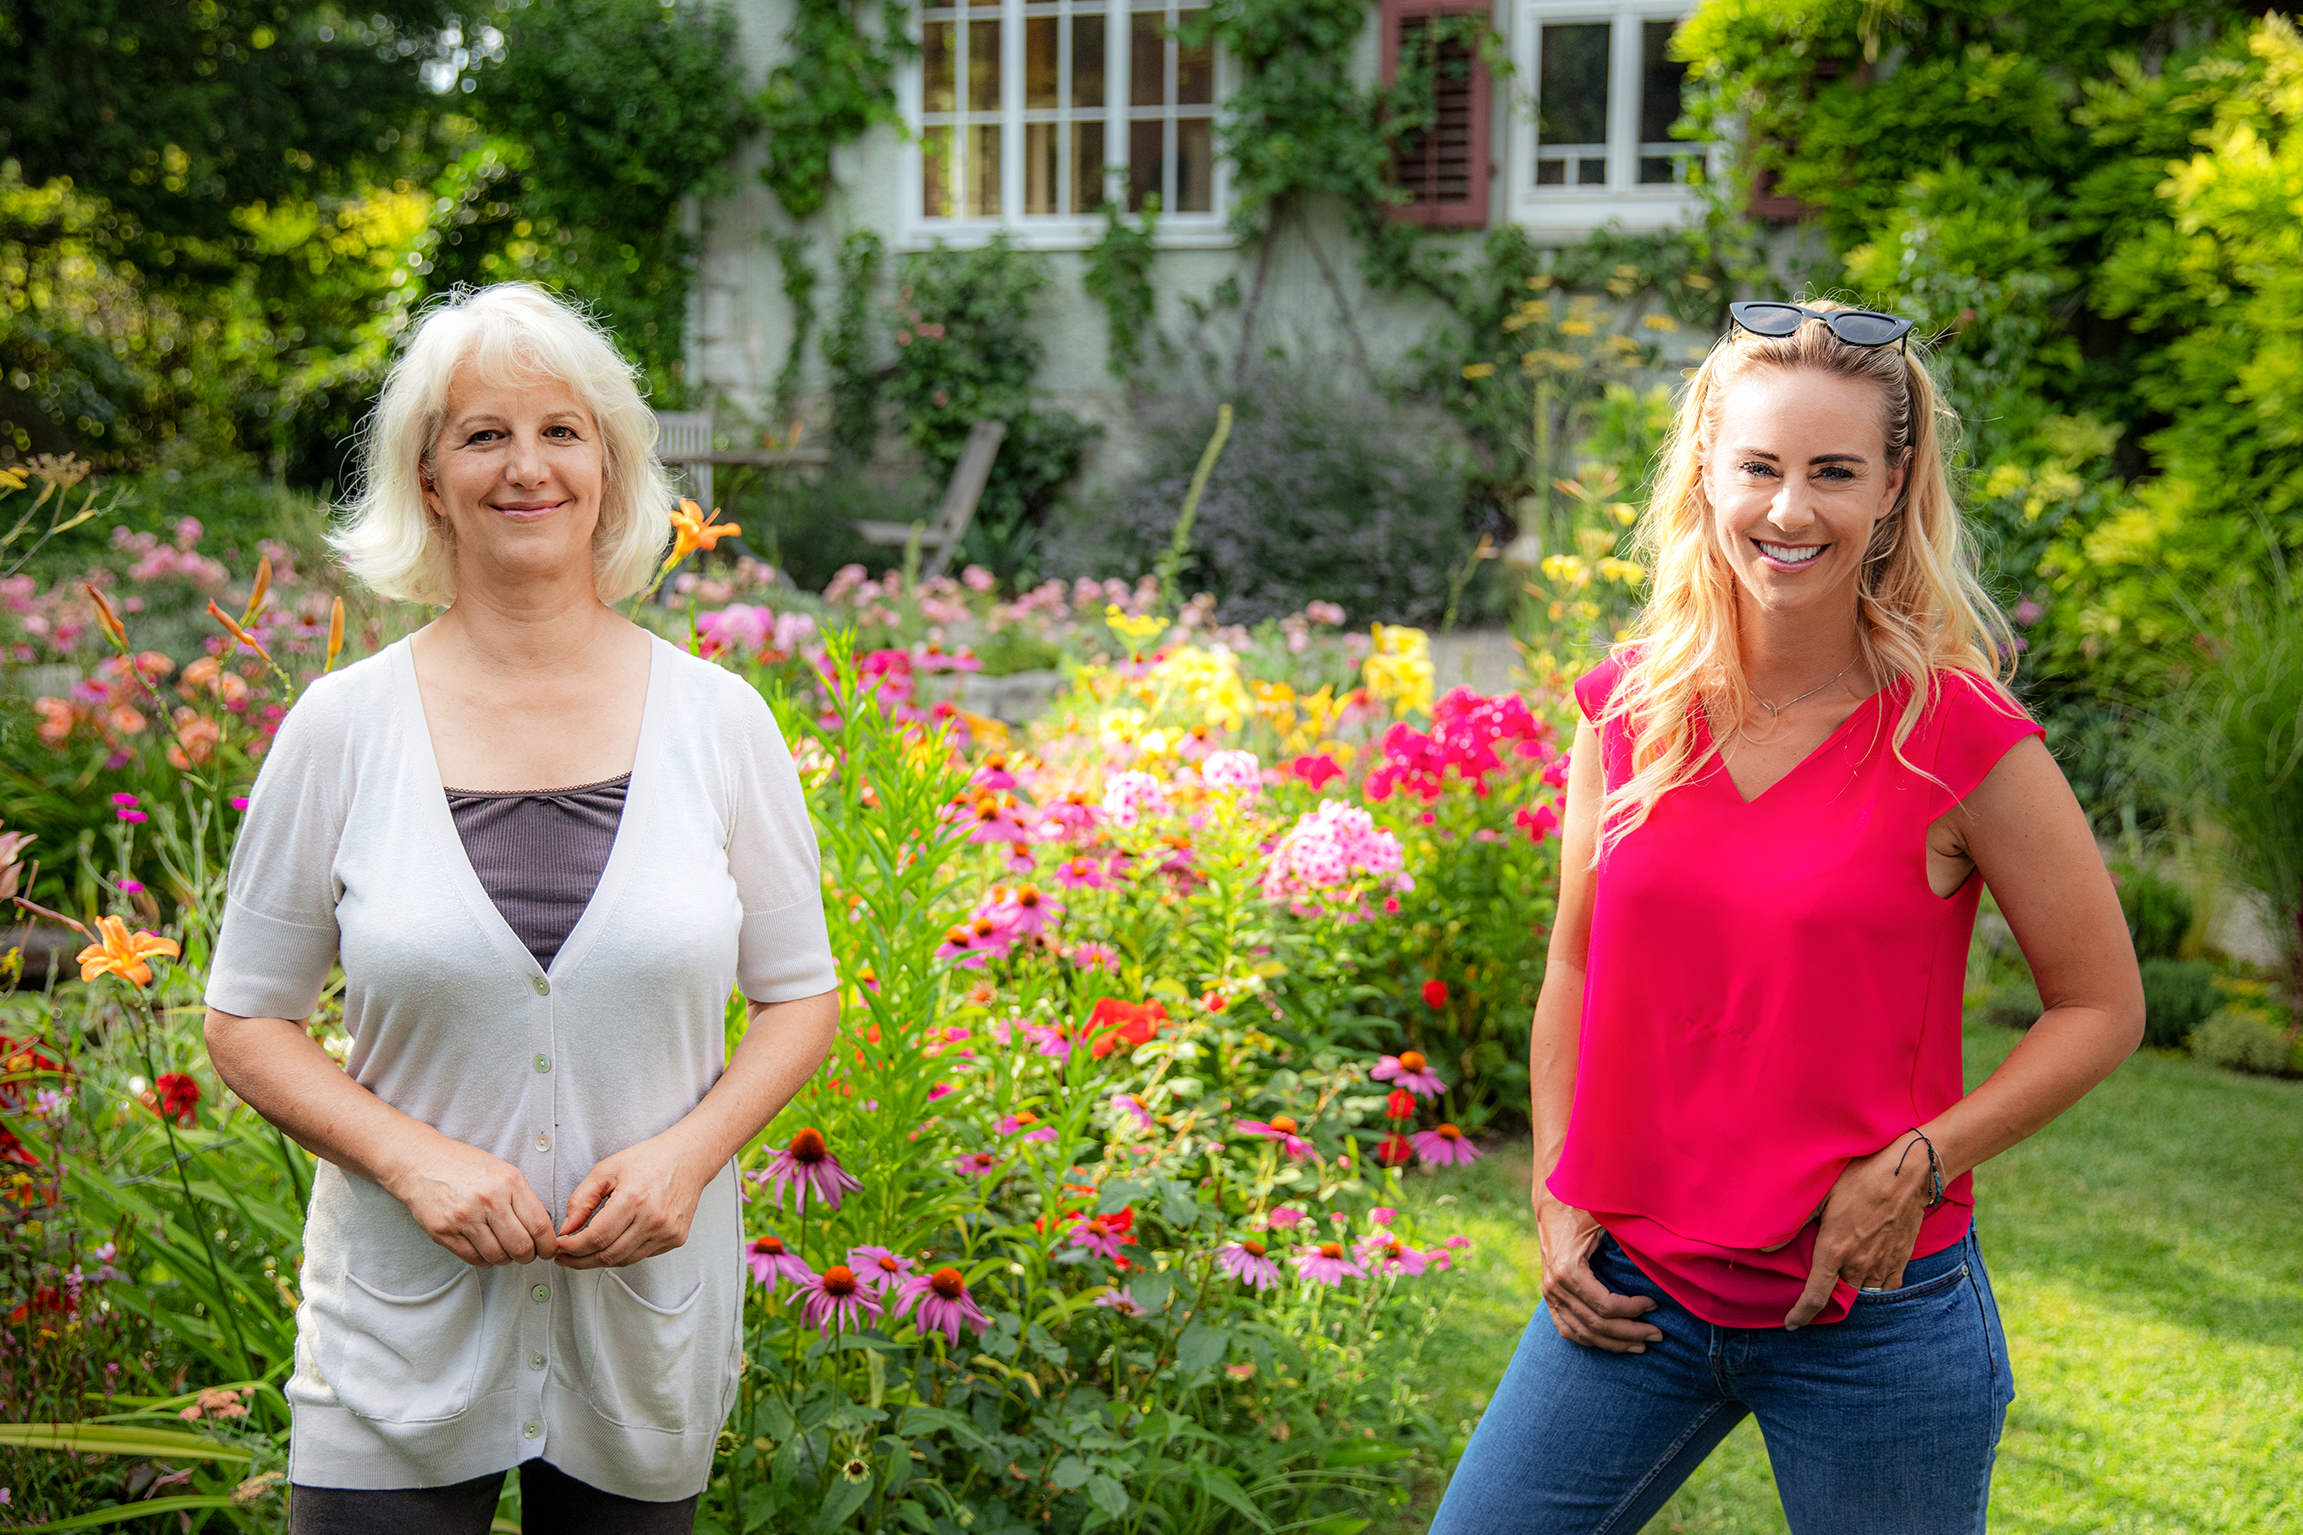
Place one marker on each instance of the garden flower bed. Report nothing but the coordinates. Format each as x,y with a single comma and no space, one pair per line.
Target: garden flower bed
1092,1218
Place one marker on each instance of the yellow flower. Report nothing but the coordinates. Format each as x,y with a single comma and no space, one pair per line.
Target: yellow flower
1207,679
1480,370
1629,572
121,953
1398,669
1566,570
1576,327
11,479
1133,631
693,529
1623,512
1659,322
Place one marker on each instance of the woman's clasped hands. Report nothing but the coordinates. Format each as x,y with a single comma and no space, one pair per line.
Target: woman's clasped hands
633,1205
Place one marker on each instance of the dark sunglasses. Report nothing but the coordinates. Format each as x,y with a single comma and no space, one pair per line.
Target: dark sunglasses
1856,327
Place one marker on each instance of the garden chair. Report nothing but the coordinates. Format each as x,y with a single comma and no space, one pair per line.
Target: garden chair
685,446
943,536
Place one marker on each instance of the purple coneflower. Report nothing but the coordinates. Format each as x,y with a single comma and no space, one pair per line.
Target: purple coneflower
771,1261
1280,1128
1444,1146
876,1268
944,1303
1246,1262
1132,1106
1049,1040
1326,1264
1096,956
1083,874
1104,1235
976,1164
1410,1070
837,1296
1388,1252
1027,1124
807,1163
1122,1301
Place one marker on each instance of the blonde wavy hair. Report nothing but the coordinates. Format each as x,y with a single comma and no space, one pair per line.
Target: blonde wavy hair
511,332
1920,611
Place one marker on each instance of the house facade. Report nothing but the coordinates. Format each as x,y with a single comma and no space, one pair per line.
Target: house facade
1028,116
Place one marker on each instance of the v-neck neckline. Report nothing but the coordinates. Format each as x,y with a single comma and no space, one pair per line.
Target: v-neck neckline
621,852
1725,772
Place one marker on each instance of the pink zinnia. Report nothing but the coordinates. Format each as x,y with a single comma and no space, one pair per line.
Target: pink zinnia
1410,1070
837,1296
876,1267
808,1164
1282,1129
1246,1262
771,1260
1444,1146
944,1303
1326,1264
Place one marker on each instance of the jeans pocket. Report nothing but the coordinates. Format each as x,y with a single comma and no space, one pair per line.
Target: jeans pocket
639,1332
410,1358
1934,1284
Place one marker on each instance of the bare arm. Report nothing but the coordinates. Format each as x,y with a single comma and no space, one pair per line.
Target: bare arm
1584,1310
2029,841
640,1201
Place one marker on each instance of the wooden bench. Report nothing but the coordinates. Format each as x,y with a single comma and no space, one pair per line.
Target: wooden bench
942,537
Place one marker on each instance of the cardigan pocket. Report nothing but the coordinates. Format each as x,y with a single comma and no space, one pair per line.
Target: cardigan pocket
410,1358
639,1333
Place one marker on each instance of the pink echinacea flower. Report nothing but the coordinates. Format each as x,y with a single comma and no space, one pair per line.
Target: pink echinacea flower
1245,1261
807,1163
1445,1146
1326,1264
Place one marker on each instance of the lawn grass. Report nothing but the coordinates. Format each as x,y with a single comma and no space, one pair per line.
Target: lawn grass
2147,1251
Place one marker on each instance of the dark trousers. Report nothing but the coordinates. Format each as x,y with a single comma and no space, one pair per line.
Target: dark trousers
551,1503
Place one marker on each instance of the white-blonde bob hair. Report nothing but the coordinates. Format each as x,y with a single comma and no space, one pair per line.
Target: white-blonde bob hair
510,333
1920,613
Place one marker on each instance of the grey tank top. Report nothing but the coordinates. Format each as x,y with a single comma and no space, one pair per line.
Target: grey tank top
539,853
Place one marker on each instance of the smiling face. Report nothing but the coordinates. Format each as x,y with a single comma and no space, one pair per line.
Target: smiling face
517,472
1797,474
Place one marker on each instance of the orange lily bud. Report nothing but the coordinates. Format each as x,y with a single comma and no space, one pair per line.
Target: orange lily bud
335,634
238,633
258,592
105,617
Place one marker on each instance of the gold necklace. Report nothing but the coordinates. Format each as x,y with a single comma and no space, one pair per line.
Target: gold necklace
1775,711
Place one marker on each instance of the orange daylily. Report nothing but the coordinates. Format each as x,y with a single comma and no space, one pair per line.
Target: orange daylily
122,953
106,619
335,634
237,632
693,529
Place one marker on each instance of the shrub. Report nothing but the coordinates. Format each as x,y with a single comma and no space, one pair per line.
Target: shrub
1323,491
2177,996
2013,1006
807,529
2243,1040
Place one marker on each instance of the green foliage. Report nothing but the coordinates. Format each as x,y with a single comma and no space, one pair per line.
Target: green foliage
2178,995
1297,121
799,292
838,84
2158,913
2013,1006
850,351
1118,276
2244,1039
805,526
967,351
626,106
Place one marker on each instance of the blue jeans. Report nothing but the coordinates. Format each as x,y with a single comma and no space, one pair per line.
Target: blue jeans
1883,1424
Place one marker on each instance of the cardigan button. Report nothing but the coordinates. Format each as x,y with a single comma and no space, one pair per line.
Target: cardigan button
543,1063
531,1429
542,1292
543,987
543,1142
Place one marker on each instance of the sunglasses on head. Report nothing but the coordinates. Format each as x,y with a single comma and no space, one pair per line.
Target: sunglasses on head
1856,327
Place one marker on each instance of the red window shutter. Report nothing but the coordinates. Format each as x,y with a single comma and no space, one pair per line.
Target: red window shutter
1445,169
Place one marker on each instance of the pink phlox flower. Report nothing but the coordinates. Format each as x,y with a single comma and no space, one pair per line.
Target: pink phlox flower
1314,769
1236,772
1538,822
1327,1263
1131,795
944,1304
876,1267
1444,1147
1122,1301
1555,773
1422,1081
1328,849
1248,1262
1383,1215
771,1261
1132,1106
807,1163
1281,1129
837,1297
1282,1218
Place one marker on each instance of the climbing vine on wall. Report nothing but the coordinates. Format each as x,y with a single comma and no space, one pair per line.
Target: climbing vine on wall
799,282
848,350
837,84
1118,276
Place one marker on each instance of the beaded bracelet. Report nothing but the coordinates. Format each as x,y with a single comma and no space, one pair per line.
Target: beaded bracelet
1934,1168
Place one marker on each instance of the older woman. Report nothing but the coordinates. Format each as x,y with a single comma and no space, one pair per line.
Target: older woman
544,845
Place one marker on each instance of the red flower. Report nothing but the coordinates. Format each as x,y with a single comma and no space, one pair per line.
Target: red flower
1435,993
1394,1150
1114,1023
178,1095
1314,770
1401,1103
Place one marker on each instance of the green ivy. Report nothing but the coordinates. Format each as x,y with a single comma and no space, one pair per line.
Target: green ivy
837,84
848,349
1118,276
800,292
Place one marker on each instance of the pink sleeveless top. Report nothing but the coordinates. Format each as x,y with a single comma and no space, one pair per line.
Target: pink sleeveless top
1773,989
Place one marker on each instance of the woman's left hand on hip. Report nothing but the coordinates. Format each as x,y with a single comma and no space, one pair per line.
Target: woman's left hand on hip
1870,1220
633,1205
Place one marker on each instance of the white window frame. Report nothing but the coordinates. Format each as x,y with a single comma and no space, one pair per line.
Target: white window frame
1571,211
1056,231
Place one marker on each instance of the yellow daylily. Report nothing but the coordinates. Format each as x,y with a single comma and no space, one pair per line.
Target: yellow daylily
122,953
693,529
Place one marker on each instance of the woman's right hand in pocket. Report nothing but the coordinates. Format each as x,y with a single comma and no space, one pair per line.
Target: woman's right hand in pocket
1584,1310
477,1206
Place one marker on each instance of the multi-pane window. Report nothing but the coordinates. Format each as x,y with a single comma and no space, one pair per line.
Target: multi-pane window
1049,109
1606,94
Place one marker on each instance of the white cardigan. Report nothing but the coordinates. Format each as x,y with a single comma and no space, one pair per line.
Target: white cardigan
412,1368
